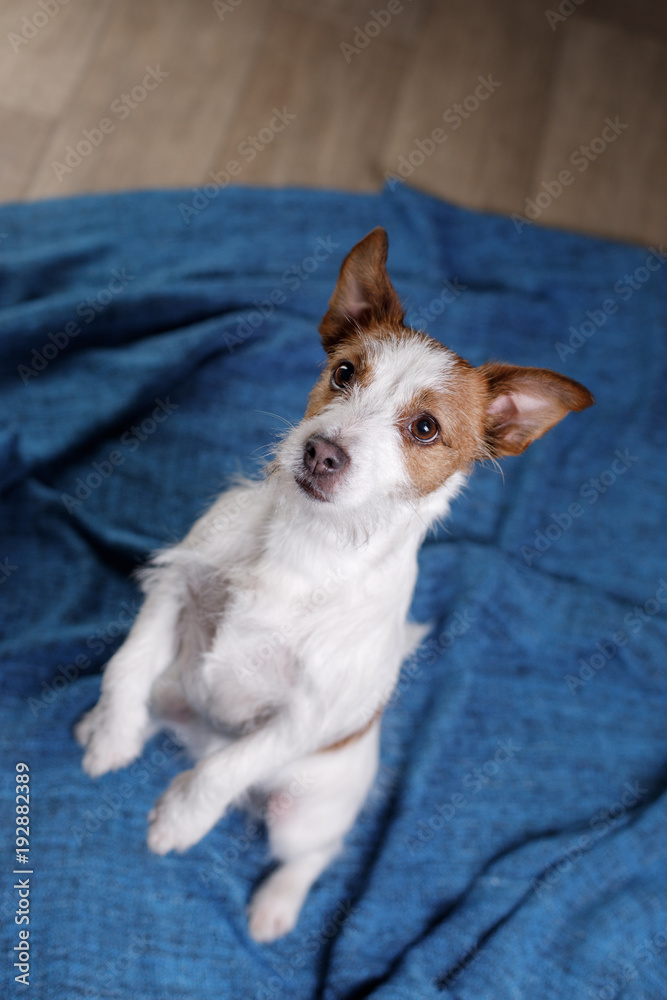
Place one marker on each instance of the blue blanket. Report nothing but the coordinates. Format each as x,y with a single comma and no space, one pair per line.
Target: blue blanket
152,344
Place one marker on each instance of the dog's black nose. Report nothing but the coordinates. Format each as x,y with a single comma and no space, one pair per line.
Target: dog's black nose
323,457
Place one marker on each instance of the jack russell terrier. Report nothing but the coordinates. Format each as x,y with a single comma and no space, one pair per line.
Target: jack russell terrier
271,638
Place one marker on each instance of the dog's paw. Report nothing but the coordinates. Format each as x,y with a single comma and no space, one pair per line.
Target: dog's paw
274,909
86,725
110,745
108,752
181,817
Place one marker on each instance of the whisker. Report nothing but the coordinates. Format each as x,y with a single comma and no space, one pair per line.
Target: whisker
267,413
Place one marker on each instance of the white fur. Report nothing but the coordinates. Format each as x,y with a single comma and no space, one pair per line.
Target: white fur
278,627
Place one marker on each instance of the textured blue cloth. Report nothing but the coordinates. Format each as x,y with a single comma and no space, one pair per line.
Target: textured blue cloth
514,845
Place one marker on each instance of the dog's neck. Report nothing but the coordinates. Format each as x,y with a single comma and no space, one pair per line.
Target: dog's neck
313,534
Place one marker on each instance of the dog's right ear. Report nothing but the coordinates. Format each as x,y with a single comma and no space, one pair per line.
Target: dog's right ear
364,296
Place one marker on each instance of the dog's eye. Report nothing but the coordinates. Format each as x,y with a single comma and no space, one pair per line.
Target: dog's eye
425,429
343,374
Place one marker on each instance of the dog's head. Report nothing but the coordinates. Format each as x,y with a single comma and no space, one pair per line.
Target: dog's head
396,418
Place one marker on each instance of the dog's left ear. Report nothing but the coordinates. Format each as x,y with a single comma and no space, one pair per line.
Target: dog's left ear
524,403
363,295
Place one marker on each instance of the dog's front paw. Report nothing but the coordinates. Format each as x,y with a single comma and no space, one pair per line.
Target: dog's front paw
86,725
104,754
181,817
109,746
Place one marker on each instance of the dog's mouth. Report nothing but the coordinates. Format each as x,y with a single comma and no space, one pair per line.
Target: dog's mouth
312,491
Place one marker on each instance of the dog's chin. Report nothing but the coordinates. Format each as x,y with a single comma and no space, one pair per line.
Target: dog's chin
309,488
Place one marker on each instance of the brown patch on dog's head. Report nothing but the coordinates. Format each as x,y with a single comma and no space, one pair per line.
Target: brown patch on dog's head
492,411
324,392
459,413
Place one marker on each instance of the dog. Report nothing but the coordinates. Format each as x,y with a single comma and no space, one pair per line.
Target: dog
271,638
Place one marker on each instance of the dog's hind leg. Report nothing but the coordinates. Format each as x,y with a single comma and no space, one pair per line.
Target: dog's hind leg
310,809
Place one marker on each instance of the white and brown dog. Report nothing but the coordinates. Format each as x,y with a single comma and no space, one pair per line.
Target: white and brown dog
272,636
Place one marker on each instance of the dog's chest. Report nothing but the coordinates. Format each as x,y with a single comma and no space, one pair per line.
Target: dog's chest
334,628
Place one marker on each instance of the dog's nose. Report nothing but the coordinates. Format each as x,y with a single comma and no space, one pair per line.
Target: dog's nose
323,457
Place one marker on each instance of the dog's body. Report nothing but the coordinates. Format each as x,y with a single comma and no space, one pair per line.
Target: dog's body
272,636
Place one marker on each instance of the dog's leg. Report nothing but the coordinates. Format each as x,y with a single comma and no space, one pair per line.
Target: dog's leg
115,731
276,905
196,799
308,816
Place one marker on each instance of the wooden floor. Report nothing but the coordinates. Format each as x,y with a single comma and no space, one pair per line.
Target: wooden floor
557,113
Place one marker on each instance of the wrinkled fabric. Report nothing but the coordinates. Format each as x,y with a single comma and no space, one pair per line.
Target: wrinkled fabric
152,346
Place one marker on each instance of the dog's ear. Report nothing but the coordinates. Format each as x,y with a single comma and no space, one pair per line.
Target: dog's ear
363,295
524,403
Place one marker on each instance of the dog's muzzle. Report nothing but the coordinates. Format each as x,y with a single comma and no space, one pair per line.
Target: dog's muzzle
323,464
